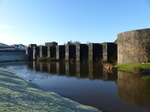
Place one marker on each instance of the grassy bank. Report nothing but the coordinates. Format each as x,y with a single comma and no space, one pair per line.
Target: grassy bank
18,95
135,68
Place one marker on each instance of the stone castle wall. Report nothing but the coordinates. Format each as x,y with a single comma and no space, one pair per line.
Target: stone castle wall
76,52
134,46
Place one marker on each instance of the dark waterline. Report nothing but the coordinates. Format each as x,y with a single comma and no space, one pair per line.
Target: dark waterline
89,84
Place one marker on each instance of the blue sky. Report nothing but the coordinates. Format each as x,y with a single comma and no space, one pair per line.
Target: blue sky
97,21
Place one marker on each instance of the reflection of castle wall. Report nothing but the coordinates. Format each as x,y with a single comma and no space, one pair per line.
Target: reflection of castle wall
79,70
134,89
43,67
29,65
95,71
51,67
70,69
34,65
60,68
84,70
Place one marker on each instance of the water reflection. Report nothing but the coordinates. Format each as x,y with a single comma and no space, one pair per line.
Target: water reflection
89,84
91,70
134,89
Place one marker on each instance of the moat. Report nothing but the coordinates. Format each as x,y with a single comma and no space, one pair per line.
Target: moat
89,84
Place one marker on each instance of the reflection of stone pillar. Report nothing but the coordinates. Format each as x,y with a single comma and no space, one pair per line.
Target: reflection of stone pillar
48,67
60,68
53,68
34,65
67,69
105,75
70,52
90,70
57,68
94,52
84,69
41,67
72,69
78,69
134,89
81,52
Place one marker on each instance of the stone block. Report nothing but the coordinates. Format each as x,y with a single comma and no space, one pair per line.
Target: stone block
43,51
94,52
134,46
60,52
81,52
70,52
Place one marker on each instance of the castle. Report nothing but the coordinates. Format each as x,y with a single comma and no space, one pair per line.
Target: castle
130,47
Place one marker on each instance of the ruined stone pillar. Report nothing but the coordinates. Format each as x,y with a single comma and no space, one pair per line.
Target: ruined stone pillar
36,52
78,69
29,53
70,52
94,52
109,52
81,52
51,51
43,51
60,52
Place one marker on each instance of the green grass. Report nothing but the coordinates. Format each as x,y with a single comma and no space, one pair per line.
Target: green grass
128,67
148,76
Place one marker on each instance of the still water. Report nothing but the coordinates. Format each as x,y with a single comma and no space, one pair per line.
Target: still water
89,84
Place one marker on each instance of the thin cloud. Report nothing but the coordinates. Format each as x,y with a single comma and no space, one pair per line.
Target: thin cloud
5,27
6,36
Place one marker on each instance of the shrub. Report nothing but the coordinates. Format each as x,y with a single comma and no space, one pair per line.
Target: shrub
42,59
53,59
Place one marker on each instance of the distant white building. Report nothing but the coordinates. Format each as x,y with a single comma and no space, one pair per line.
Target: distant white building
3,45
12,47
19,46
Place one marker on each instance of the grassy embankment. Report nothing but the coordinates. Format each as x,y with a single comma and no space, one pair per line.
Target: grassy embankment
137,68
18,95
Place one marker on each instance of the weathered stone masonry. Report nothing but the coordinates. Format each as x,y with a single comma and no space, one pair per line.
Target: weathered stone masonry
77,52
134,46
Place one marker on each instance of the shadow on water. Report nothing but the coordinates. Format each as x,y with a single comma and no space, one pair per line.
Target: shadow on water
134,89
89,84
